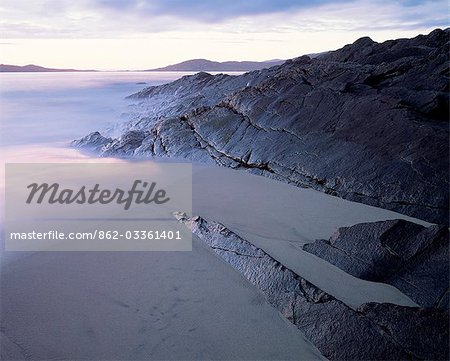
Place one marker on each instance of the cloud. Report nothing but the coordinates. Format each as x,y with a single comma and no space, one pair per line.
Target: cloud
210,10
139,18
216,11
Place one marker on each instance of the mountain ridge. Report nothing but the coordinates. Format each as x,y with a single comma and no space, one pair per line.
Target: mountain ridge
31,68
210,65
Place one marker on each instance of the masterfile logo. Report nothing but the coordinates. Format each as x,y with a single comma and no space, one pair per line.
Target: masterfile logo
97,206
140,192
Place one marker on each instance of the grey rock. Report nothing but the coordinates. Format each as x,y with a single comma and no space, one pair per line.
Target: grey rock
423,332
94,141
406,255
368,123
338,331
128,141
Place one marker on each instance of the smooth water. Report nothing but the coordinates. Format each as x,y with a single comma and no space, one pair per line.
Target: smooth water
55,108
41,113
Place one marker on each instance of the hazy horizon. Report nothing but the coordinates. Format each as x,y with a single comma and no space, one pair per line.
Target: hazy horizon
142,70
146,34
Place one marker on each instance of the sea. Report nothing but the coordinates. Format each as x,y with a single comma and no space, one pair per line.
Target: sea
51,109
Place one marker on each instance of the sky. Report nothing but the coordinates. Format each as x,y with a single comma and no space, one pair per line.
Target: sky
144,34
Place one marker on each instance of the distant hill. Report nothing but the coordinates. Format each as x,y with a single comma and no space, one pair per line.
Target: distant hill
31,68
208,65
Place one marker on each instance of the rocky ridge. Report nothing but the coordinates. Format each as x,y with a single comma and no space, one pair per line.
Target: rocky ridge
372,332
368,123
412,258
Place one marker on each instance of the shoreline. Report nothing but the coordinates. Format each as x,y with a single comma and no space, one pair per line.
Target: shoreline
281,225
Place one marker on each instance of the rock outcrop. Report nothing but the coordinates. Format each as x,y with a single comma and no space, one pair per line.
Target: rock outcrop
94,141
372,332
368,123
413,258
423,332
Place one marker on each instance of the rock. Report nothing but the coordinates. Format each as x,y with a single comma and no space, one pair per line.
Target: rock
339,332
423,332
128,141
94,141
406,255
368,123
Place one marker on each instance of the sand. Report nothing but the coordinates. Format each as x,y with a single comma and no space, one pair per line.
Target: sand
183,305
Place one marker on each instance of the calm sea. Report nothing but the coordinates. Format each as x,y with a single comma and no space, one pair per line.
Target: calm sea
53,108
